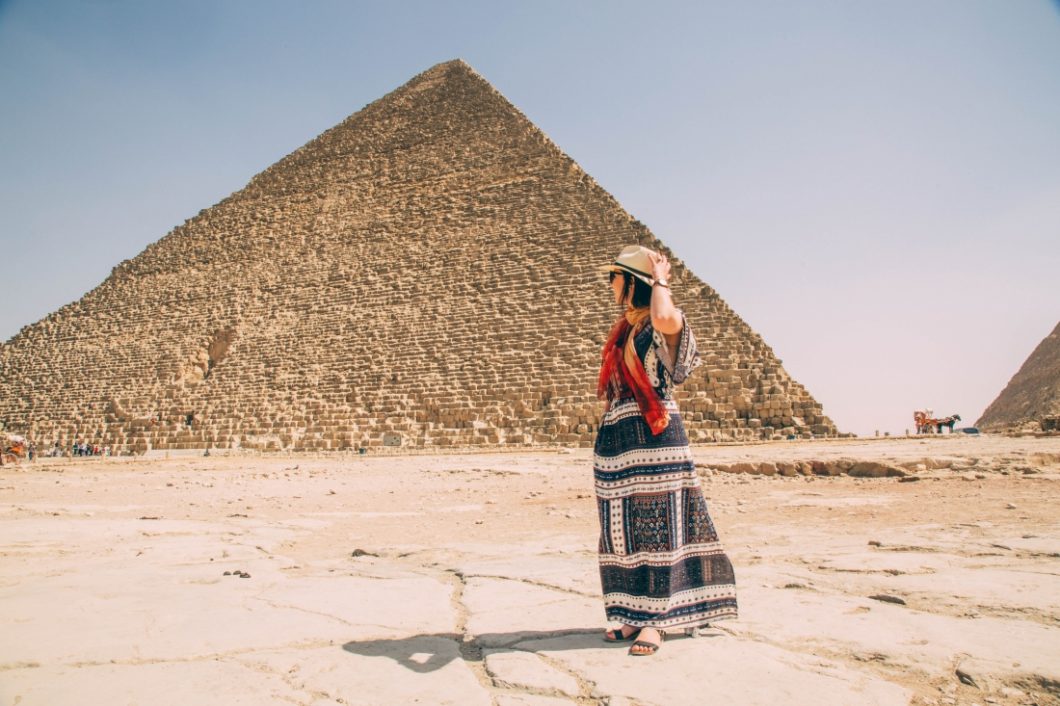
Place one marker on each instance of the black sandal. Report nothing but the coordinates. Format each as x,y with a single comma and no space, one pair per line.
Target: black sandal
616,635
651,647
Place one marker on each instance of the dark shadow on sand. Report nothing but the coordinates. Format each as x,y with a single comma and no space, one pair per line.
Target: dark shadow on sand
426,653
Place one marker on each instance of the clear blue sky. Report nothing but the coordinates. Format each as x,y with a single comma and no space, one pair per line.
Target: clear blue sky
873,186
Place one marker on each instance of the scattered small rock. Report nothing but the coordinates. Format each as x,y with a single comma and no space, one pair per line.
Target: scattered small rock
966,678
909,479
875,543
149,517
887,598
1010,506
244,575
869,657
361,552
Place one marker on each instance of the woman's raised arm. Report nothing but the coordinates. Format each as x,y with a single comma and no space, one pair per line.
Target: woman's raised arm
665,318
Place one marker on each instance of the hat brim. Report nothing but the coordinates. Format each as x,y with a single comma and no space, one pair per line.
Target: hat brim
646,279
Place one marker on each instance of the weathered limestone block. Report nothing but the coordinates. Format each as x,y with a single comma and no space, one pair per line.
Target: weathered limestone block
766,468
786,469
876,469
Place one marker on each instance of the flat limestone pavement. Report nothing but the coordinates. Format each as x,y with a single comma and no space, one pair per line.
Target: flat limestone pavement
472,579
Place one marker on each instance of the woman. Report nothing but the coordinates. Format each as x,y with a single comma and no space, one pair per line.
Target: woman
661,564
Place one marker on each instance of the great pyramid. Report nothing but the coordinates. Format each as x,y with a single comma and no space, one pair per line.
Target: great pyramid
1032,396
423,274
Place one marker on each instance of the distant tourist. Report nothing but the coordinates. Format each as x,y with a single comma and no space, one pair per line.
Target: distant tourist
661,565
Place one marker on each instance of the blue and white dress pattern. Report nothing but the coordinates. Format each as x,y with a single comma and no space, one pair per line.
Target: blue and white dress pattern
661,564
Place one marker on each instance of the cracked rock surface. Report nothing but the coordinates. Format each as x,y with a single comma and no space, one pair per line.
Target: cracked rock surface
472,579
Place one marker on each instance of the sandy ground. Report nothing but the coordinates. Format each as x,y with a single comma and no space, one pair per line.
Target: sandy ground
472,579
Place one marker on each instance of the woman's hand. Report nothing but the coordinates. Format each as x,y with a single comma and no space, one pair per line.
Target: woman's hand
660,266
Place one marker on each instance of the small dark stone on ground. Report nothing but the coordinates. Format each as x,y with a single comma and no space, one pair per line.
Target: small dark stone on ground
887,598
966,678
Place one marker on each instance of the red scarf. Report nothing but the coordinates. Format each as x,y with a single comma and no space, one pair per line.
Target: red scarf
622,370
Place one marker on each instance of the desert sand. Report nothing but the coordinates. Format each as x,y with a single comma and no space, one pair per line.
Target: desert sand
472,579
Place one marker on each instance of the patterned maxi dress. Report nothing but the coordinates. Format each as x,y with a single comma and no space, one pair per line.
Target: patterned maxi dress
661,564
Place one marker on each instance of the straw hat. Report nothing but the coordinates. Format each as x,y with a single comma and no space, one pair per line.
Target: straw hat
634,259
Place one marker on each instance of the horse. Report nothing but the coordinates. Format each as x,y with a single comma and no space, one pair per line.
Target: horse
946,422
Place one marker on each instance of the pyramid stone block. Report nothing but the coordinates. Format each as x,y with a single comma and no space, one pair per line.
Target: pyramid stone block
425,270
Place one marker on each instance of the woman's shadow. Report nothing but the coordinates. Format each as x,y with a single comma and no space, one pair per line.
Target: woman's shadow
426,653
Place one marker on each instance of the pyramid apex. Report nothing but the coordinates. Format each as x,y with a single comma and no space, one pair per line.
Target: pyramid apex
451,65
453,70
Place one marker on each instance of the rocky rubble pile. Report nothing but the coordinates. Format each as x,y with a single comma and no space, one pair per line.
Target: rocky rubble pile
883,468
